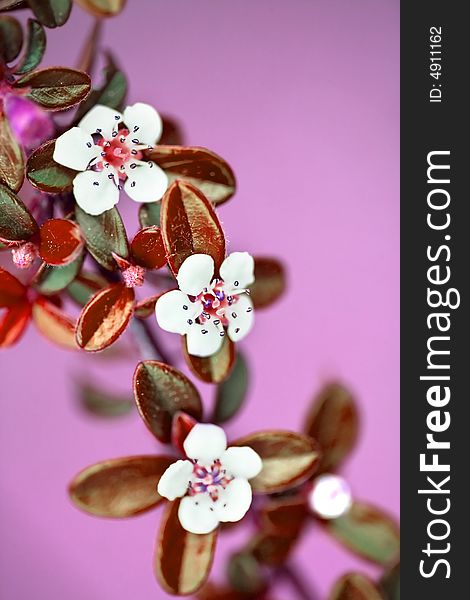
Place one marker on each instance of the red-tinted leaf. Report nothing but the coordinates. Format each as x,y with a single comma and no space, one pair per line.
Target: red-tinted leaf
147,248
215,368
333,421
121,487
51,13
13,322
182,560
54,324
200,167
146,307
172,133
45,174
61,242
11,157
288,459
12,291
245,574
11,38
105,317
271,549
355,586
55,88
161,392
284,516
369,532
190,226
16,222
102,8
181,425
270,282
390,583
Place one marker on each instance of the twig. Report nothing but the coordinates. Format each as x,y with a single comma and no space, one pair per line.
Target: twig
149,345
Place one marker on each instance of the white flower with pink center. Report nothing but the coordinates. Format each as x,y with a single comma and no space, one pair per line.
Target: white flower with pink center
107,148
212,481
205,309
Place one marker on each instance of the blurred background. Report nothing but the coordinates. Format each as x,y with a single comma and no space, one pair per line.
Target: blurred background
302,99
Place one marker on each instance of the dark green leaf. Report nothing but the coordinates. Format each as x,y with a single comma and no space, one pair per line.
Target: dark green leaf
104,234
231,393
11,38
244,574
149,214
103,403
16,222
270,282
51,13
369,532
215,368
50,280
35,48
85,286
11,157
55,88
45,174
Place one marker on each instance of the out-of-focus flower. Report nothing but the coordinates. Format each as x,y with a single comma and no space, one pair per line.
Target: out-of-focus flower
30,124
203,307
212,481
107,150
330,496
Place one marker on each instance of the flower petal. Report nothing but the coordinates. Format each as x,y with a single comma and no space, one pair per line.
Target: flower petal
205,442
94,192
238,270
204,340
145,183
240,318
242,461
144,123
174,481
195,274
174,310
75,149
234,501
197,514
101,119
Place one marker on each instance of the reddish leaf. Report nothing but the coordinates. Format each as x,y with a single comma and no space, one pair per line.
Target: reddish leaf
180,427
146,307
390,583
215,368
284,516
190,226
54,324
172,133
147,248
61,242
160,392
105,317
200,167
55,88
355,586
45,174
231,393
333,421
121,487
271,549
367,531
102,8
13,323
12,291
270,282
51,13
11,157
182,560
288,459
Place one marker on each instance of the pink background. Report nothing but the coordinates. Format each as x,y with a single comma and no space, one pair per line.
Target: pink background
302,98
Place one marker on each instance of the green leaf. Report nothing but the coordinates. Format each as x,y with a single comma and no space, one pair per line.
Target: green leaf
104,234
11,38
245,575
149,214
16,222
231,393
11,157
35,48
55,88
45,174
51,13
103,403
367,531
50,280
85,286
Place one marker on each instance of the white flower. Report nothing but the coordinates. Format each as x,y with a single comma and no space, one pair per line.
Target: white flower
212,481
203,306
330,496
107,148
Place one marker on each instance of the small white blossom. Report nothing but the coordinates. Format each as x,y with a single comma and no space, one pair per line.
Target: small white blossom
106,148
212,481
330,496
204,308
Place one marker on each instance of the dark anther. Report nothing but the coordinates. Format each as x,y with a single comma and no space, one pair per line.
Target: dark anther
135,141
88,144
237,329
234,315
185,307
95,183
204,331
133,166
136,128
115,133
236,283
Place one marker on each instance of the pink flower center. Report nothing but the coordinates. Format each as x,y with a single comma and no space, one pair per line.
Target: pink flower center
209,480
133,276
118,151
23,256
216,302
